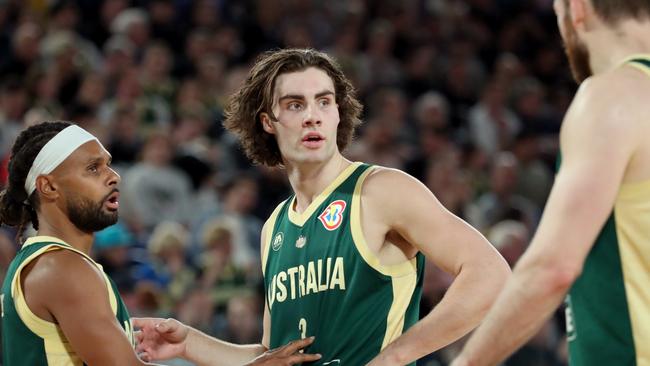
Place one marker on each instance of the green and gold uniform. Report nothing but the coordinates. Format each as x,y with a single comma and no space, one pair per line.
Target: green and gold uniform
608,307
321,278
29,340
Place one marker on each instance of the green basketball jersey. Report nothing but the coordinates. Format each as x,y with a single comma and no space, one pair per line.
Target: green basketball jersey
322,280
29,340
608,307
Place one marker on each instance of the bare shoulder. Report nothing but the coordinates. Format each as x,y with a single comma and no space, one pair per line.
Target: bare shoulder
613,98
393,191
608,107
384,182
62,272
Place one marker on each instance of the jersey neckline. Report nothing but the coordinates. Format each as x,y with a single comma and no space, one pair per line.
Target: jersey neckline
299,219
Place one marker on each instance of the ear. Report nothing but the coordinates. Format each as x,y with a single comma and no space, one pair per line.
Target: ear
578,12
267,124
46,187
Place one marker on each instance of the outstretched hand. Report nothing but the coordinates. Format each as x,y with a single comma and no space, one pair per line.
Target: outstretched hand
286,355
160,339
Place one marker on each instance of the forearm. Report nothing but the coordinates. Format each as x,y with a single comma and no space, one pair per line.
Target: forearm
462,308
204,350
526,303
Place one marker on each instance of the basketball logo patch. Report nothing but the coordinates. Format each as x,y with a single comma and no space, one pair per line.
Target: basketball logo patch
332,216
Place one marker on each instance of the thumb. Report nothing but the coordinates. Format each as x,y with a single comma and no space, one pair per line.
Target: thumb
166,326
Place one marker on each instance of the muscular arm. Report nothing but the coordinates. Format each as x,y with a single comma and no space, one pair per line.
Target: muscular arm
448,242
66,286
580,202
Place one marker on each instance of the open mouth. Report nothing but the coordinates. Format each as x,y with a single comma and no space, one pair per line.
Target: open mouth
313,139
113,201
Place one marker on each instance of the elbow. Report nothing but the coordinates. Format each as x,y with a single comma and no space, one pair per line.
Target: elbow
550,278
493,278
499,274
561,278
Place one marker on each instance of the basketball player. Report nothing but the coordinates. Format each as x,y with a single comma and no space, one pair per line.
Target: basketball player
594,237
343,257
57,303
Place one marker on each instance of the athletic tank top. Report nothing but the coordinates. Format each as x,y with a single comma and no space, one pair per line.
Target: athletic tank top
321,278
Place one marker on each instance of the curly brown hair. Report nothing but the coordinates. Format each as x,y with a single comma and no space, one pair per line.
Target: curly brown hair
256,97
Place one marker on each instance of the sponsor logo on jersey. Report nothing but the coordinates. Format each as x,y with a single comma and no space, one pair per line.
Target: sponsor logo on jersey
301,241
332,216
277,241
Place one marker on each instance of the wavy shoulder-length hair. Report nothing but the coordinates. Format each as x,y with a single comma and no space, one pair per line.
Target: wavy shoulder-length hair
242,116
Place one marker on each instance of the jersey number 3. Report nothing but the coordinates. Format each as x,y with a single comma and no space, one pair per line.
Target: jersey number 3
302,326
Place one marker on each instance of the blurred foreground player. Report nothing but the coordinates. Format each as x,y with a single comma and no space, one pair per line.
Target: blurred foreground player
594,238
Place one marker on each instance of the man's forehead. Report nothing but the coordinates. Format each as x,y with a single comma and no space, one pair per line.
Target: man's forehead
306,82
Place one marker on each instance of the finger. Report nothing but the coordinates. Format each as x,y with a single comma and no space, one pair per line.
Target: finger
144,356
294,346
167,326
144,322
303,357
139,336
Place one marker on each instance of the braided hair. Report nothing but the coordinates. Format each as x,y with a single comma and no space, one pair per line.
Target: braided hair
16,208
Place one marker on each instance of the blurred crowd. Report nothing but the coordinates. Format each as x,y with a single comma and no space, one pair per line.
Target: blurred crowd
465,95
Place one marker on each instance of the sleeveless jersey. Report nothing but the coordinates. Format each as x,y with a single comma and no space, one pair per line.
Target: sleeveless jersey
29,340
322,280
608,307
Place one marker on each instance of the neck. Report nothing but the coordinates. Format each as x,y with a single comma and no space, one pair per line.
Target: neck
309,180
59,226
610,46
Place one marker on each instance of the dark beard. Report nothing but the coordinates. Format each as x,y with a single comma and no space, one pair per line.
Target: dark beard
577,53
89,216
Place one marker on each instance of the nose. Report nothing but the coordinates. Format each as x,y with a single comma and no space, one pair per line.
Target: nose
114,178
312,117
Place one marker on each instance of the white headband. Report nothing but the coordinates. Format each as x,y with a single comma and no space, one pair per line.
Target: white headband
55,152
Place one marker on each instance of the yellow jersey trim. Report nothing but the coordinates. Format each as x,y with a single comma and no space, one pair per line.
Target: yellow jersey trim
634,189
628,59
403,275
268,238
403,288
632,212
300,218
394,270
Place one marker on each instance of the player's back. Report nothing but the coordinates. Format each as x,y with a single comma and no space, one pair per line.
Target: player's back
322,280
608,312
28,339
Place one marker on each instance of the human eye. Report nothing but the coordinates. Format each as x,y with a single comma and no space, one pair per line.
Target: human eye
324,102
294,106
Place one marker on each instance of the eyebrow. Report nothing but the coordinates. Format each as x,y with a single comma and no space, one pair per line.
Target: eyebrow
302,97
98,159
